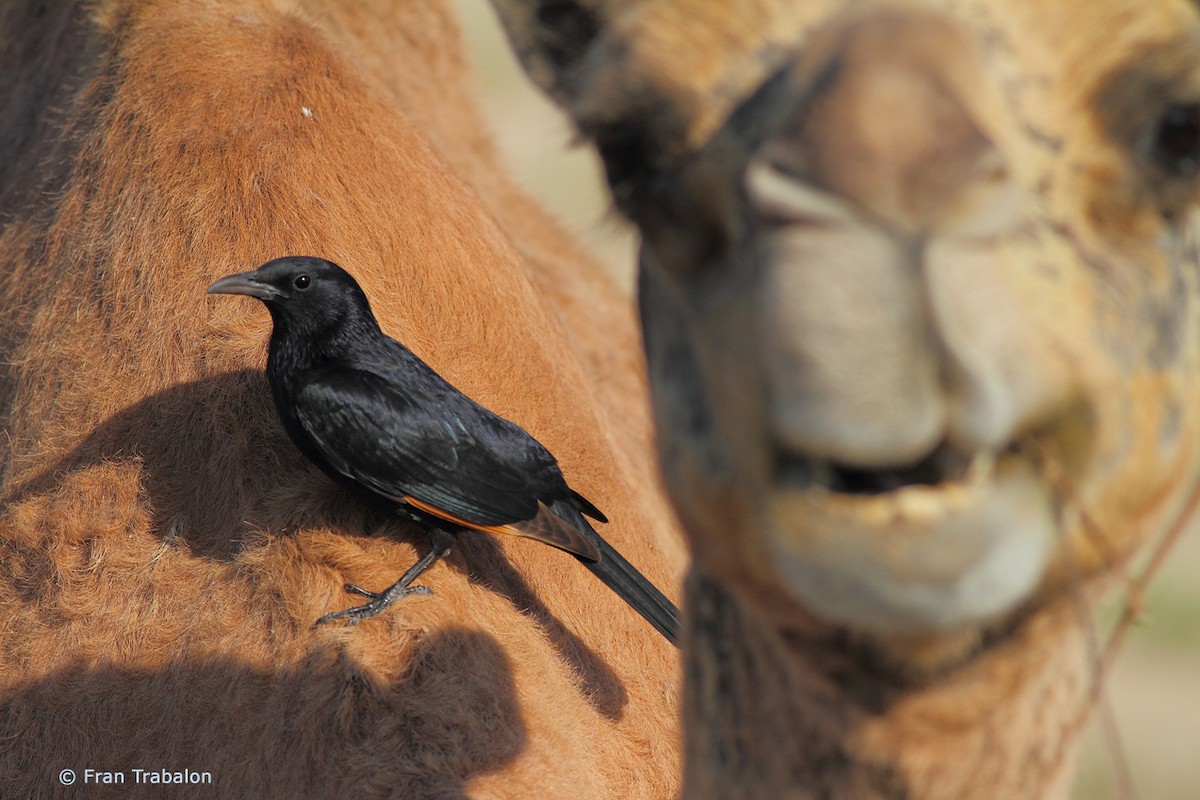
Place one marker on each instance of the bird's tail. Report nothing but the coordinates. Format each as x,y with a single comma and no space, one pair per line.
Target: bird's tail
623,578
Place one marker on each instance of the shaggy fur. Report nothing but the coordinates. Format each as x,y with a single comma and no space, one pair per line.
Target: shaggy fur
165,550
878,237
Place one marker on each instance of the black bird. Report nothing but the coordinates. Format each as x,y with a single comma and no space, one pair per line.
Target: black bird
380,421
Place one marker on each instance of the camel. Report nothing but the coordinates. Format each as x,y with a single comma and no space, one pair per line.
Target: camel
919,290
166,550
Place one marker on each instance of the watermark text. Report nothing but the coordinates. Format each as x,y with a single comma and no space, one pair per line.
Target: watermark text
101,777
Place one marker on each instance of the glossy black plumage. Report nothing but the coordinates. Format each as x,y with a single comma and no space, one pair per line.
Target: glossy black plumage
380,421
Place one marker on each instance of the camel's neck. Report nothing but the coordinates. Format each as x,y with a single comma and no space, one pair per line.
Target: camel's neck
765,717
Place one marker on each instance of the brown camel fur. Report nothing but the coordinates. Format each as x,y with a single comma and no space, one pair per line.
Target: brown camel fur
164,550
919,287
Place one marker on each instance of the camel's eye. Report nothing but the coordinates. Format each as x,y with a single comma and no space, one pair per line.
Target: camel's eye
1177,139
302,282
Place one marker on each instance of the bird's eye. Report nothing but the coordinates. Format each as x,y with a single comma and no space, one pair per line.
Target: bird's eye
1177,139
302,282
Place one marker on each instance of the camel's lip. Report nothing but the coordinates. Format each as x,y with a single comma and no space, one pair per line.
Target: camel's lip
948,476
940,551
943,485
944,466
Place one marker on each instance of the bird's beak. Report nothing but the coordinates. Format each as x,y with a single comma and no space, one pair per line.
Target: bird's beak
244,283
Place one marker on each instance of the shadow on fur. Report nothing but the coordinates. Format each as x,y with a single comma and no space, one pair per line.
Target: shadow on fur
219,438
451,715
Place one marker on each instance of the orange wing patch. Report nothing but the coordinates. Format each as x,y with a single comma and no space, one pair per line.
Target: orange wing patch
545,526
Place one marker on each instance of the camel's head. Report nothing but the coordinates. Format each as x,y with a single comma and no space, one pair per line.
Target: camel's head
918,281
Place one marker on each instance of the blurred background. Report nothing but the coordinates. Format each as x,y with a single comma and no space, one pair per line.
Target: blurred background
1154,690
539,145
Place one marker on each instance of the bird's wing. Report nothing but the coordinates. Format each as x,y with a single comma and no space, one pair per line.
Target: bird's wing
429,457
545,527
402,449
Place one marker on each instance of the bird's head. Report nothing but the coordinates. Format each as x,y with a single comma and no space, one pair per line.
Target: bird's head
301,292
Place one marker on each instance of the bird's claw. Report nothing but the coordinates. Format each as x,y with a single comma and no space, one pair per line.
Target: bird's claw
379,601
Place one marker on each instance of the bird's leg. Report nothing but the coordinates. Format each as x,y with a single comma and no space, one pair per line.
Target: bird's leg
440,542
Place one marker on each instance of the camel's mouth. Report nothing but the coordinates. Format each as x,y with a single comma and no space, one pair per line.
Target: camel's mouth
944,464
949,539
944,467
1060,445
952,538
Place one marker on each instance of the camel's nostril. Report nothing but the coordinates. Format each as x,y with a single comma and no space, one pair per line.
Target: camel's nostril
887,120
